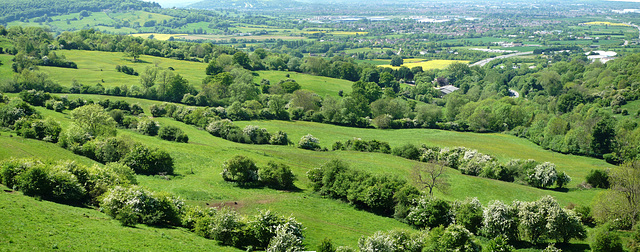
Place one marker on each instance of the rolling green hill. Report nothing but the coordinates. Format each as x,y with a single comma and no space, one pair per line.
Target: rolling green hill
198,167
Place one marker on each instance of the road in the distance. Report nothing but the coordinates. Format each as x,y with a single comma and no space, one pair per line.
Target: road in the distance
485,61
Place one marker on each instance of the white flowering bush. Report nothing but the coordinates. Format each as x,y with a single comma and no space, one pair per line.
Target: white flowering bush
500,219
279,138
256,134
133,205
543,175
467,213
309,142
288,237
393,240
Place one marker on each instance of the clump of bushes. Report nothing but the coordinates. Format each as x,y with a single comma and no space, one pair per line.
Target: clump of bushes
250,134
264,231
126,70
357,144
244,171
373,193
172,133
148,127
309,142
46,130
133,205
598,179
63,181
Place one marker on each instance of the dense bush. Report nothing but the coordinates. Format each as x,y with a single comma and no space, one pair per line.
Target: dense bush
63,181
148,161
47,130
35,98
279,138
148,127
362,145
392,241
277,176
453,238
172,133
598,179
429,213
468,213
309,142
499,219
133,205
373,193
408,151
606,241
14,110
126,70
240,169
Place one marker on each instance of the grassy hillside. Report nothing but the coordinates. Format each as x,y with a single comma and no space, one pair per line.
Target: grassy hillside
322,86
199,164
29,224
95,67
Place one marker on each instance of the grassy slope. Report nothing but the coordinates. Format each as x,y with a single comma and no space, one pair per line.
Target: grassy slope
198,167
93,67
32,225
322,86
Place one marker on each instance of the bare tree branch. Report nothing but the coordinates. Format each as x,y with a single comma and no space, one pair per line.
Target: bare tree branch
431,175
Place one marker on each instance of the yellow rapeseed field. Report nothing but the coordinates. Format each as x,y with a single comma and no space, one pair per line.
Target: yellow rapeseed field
426,65
605,23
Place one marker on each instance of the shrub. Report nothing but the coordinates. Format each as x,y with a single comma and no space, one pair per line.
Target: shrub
279,138
543,175
149,161
35,98
104,177
158,111
606,241
225,226
58,106
468,214
500,219
240,169
94,120
326,246
47,130
277,176
14,110
309,142
288,237
133,205
148,127
429,213
598,179
498,244
394,240
172,133
117,116
408,151
256,135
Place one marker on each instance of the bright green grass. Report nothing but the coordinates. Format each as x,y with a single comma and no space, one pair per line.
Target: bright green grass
94,67
32,225
5,68
199,164
503,147
322,86
139,16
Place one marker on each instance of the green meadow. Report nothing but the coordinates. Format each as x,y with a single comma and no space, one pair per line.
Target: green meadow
322,86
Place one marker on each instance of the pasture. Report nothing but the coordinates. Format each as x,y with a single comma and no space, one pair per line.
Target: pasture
426,65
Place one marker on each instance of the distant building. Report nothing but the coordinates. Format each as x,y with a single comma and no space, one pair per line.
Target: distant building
447,89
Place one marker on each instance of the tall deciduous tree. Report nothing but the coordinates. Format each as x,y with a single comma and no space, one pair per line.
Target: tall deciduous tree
431,175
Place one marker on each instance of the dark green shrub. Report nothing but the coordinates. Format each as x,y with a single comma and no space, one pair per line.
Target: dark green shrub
408,151
148,161
47,130
133,205
606,241
157,111
598,179
498,244
240,169
14,110
170,133
277,176
35,98
429,213
279,138
468,214
148,127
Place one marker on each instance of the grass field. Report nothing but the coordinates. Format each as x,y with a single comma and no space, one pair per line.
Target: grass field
426,65
158,36
95,67
228,37
198,167
322,86
604,23
47,226
5,67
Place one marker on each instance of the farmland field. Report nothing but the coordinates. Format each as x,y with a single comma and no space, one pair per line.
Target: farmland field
431,64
